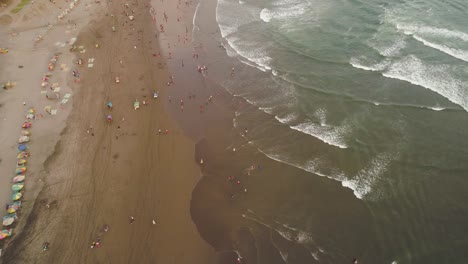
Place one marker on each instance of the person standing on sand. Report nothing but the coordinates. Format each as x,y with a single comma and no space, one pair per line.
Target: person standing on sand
132,219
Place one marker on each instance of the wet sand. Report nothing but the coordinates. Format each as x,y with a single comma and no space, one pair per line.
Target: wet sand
116,170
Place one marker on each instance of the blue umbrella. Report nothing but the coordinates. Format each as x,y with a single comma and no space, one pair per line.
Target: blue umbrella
22,147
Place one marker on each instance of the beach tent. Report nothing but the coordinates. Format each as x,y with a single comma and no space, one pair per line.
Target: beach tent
9,219
26,125
25,132
23,139
19,178
20,162
17,187
16,196
5,233
22,154
22,147
20,170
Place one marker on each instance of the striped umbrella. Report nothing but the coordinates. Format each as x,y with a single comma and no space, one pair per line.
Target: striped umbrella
22,154
5,233
20,170
19,178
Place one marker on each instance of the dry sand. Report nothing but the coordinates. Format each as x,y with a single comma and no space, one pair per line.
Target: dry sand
112,173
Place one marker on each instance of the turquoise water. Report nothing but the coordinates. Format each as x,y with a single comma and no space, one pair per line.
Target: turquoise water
371,96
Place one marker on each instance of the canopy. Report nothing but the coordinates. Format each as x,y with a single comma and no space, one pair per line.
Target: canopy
22,154
20,162
5,233
9,219
26,125
20,170
29,116
17,187
19,178
25,132
22,147
16,196
23,139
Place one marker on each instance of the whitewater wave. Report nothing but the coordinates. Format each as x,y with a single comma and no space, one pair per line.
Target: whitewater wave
456,53
411,69
284,10
434,78
266,15
231,15
333,136
357,63
412,29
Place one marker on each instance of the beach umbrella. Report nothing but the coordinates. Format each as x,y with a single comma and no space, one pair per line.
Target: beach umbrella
20,162
17,187
20,170
13,207
19,178
25,132
16,196
29,116
26,125
48,109
5,233
31,110
22,147
23,139
9,219
22,154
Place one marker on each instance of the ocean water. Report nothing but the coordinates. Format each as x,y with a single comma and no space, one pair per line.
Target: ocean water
369,95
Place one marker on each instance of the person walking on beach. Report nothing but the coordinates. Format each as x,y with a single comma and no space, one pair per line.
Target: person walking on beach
132,219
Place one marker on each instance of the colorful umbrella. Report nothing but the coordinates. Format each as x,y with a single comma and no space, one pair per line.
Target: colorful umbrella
16,196
29,116
5,233
20,170
23,139
26,125
9,219
25,132
20,162
22,147
19,178
13,207
17,187
22,154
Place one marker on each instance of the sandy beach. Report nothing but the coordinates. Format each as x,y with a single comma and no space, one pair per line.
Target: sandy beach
84,172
